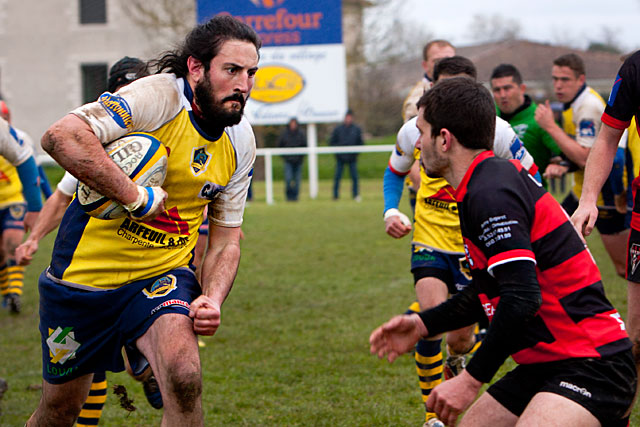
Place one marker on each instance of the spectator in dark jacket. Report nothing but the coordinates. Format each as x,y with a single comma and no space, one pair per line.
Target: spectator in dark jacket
292,136
346,134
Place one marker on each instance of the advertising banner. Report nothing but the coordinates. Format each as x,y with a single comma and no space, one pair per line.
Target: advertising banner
302,69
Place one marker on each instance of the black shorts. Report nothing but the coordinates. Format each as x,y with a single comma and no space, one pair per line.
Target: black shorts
605,387
633,247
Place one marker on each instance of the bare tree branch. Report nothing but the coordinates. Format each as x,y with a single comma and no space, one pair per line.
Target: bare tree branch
164,19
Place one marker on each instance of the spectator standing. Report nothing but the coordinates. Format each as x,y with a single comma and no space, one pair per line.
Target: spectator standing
292,136
346,134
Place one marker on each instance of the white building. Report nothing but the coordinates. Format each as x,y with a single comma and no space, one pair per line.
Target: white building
55,54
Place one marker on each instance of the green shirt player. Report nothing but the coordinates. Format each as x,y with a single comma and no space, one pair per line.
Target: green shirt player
516,107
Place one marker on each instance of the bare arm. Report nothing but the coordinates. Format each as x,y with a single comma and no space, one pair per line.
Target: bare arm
72,143
219,269
48,220
414,175
574,151
597,170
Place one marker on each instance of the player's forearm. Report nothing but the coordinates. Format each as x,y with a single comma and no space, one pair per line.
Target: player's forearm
75,147
574,151
599,163
50,215
520,300
219,269
392,185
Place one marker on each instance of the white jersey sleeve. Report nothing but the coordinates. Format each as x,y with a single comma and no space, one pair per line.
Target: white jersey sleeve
11,147
507,145
143,105
68,184
587,119
227,208
402,157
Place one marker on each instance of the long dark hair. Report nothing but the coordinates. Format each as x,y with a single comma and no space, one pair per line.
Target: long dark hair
204,43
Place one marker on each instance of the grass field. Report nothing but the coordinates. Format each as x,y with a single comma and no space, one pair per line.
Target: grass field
315,278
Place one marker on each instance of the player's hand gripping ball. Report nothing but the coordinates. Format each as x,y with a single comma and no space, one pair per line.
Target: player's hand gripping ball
142,157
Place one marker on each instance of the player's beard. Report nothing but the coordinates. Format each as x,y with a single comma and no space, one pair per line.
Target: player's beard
436,163
213,111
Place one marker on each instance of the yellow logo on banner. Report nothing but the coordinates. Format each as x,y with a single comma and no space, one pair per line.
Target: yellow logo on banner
276,83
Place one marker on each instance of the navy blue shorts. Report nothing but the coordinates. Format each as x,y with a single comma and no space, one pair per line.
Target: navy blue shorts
452,269
12,216
84,331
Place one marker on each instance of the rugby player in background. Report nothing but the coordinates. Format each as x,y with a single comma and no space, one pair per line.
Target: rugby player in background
533,278
437,254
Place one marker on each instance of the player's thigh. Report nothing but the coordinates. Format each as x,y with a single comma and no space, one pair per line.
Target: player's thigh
616,246
553,409
180,352
433,276
487,411
431,291
633,311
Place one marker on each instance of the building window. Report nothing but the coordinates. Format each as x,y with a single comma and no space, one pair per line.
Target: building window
93,11
94,81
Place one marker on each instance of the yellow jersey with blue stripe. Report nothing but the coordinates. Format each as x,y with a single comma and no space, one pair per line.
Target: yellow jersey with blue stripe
202,170
10,185
581,121
15,149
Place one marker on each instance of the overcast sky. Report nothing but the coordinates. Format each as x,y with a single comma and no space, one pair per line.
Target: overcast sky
553,21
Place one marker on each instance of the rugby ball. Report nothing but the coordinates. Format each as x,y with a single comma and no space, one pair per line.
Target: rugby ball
139,155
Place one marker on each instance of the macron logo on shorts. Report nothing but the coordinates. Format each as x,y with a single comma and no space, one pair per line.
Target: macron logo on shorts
573,387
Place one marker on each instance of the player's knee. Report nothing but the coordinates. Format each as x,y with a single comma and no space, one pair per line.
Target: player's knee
460,343
63,411
185,382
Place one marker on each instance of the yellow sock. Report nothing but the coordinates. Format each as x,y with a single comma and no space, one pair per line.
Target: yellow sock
92,408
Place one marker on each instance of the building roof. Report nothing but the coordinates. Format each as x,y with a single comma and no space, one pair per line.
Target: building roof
534,60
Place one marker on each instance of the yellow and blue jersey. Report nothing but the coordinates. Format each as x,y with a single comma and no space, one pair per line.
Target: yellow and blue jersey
202,170
10,185
13,152
581,121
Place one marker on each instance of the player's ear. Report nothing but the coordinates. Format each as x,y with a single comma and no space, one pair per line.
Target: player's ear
446,139
196,68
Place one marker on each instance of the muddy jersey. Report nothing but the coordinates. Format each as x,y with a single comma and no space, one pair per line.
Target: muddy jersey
15,149
506,216
213,170
409,107
436,222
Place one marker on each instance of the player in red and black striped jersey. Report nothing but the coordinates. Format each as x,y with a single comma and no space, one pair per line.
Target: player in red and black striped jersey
533,277
622,106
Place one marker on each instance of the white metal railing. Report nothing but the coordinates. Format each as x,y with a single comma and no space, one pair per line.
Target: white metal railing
312,153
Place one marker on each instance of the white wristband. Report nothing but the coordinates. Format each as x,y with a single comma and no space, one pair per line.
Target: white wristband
395,212
141,200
